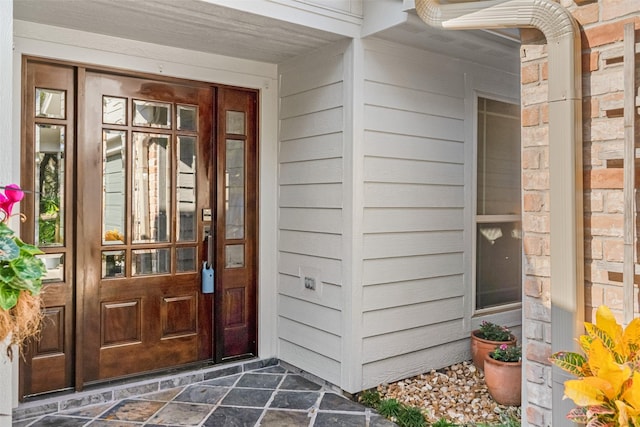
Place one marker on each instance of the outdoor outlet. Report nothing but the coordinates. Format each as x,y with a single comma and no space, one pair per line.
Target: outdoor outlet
310,283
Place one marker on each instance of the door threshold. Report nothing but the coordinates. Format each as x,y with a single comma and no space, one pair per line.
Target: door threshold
121,389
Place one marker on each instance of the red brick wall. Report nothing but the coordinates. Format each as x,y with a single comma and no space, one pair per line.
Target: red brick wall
601,24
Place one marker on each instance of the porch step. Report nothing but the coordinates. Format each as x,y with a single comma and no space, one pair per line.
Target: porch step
114,392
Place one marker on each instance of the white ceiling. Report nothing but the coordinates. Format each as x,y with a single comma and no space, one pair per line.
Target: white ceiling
206,27
189,24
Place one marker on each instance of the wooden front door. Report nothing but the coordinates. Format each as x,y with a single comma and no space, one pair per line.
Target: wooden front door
143,182
159,165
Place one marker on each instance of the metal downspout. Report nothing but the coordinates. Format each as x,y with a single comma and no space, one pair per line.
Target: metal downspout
565,152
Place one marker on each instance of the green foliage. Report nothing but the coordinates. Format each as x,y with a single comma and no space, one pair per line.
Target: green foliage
410,417
492,332
507,353
370,398
20,269
389,408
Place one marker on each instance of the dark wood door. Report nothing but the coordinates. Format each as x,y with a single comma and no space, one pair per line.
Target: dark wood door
48,135
237,207
123,212
144,178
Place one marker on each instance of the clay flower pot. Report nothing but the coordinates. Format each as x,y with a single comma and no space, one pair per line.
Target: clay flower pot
480,348
504,380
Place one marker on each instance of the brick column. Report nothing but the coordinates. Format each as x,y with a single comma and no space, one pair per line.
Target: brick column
601,23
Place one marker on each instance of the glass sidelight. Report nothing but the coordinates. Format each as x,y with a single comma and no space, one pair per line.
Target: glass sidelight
50,185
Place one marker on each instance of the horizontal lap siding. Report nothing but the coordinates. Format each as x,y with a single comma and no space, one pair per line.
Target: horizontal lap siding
413,217
310,213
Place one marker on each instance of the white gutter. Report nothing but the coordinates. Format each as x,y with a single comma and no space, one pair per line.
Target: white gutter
565,152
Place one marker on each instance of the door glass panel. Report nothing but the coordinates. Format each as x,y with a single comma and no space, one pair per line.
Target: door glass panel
234,256
50,185
235,122
151,261
151,188
234,191
187,117
114,110
185,259
152,114
113,264
186,189
113,186
54,264
50,103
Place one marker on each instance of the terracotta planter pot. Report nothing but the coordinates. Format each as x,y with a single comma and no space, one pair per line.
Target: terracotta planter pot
504,381
481,347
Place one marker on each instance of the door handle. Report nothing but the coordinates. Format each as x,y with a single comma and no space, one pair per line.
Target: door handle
210,251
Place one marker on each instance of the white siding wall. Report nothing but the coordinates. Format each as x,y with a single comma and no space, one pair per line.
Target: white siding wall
416,246
312,98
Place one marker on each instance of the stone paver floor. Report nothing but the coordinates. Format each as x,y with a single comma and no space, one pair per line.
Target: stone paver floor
269,397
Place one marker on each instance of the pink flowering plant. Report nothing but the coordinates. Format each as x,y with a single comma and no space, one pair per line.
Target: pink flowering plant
507,353
21,273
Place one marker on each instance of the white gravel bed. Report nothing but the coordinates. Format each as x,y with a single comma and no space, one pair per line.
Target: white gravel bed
457,393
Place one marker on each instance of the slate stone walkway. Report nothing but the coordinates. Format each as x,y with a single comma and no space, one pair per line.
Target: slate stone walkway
271,397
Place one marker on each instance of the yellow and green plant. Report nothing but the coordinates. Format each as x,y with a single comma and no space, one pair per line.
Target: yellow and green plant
607,391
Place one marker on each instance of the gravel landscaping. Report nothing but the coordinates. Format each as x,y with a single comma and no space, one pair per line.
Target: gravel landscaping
456,393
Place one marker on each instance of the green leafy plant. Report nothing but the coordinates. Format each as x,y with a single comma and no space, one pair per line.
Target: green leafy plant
20,269
390,408
607,391
370,398
21,275
492,332
410,416
507,353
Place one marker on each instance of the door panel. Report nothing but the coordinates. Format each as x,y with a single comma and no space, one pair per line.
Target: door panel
48,131
236,225
145,174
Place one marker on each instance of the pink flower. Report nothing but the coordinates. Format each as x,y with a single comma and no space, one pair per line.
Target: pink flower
12,195
503,347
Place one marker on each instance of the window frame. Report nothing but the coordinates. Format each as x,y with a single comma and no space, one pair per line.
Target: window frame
499,312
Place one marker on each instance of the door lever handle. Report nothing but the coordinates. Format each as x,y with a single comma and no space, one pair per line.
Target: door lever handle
209,250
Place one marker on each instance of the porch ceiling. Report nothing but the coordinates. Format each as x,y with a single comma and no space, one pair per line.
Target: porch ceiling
189,24
498,48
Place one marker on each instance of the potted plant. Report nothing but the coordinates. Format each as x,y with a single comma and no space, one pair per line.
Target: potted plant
486,339
503,374
21,273
607,390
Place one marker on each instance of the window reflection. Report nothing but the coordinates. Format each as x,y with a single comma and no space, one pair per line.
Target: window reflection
234,191
187,117
235,122
234,256
50,185
114,110
50,103
113,186
152,114
113,264
186,187
151,261
54,263
151,188
185,259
